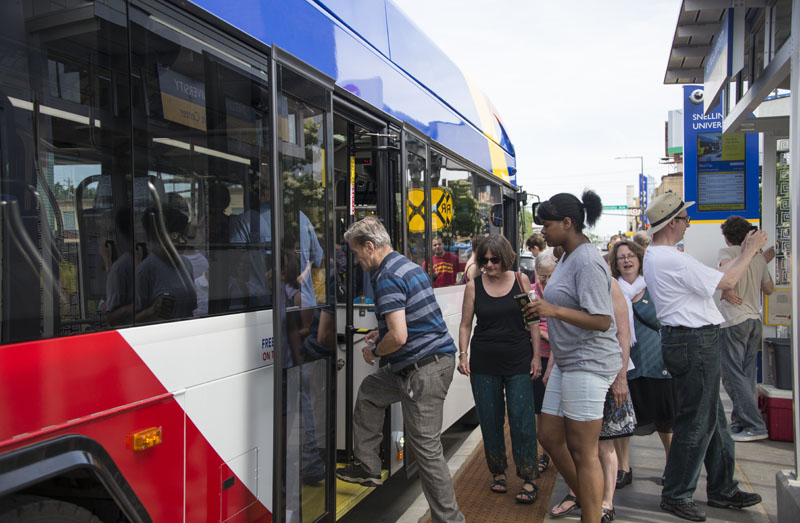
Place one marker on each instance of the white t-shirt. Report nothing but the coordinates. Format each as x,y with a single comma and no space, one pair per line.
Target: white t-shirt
682,288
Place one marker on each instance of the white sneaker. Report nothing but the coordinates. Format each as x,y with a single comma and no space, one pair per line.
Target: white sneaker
748,435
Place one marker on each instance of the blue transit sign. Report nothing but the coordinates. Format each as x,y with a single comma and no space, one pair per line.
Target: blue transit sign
720,170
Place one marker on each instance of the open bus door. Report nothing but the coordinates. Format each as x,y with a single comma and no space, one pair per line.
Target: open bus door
366,177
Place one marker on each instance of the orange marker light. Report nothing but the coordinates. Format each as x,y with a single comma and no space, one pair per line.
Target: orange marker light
143,439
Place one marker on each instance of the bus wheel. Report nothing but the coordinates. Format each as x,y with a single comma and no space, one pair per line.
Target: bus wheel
34,509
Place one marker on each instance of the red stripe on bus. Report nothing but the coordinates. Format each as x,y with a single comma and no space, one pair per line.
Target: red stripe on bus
47,383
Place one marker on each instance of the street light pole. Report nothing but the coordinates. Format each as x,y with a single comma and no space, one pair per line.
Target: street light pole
640,158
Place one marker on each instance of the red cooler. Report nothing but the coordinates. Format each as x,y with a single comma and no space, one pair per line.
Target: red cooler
776,409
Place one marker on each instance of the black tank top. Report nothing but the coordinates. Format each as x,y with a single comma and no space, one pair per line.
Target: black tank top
501,346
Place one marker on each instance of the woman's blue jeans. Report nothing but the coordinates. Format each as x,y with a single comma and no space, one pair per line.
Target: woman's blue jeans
490,404
700,434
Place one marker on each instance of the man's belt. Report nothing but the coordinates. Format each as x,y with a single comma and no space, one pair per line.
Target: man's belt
419,363
681,328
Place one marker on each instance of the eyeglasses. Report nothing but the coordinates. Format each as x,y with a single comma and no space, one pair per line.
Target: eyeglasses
684,218
626,257
494,259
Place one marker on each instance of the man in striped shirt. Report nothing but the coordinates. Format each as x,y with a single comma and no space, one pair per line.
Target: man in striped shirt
418,355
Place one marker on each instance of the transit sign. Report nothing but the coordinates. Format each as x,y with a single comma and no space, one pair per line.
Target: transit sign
614,207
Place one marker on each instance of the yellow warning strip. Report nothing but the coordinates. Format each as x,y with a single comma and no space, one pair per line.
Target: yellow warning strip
751,489
348,495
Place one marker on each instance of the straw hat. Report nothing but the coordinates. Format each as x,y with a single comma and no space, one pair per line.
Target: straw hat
664,208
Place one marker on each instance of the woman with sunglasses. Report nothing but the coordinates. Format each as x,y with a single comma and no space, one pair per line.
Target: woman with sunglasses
504,359
580,321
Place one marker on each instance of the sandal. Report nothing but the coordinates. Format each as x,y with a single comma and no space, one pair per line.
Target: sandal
567,499
526,496
544,462
498,486
608,515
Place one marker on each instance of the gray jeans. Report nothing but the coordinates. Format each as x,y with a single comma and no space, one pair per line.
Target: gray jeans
422,394
740,345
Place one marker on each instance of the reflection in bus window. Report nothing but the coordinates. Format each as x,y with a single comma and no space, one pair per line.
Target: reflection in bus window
454,219
202,150
64,134
490,207
307,278
416,171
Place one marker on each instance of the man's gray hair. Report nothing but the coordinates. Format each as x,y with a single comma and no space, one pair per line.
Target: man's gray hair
368,229
642,239
545,260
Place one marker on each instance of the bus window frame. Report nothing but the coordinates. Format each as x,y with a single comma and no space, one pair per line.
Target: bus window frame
410,130
282,59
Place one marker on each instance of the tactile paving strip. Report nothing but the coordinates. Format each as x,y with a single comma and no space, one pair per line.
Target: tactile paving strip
479,504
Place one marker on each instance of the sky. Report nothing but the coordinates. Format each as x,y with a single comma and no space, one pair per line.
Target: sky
576,83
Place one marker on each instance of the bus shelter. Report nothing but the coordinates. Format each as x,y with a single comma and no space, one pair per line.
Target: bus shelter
740,57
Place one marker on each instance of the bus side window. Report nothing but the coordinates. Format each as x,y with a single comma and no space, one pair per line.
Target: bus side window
65,135
202,130
453,217
417,204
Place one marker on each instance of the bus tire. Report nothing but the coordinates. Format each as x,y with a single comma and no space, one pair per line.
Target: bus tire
35,509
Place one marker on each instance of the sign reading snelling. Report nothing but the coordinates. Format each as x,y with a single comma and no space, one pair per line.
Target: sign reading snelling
183,99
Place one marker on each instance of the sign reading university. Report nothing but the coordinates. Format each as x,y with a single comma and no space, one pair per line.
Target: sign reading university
441,210
720,170
183,99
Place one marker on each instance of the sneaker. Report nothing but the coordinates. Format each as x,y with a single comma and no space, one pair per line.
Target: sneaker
748,435
355,473
685,509
734,429
739,499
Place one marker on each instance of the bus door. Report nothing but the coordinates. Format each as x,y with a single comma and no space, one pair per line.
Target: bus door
304,276
366,177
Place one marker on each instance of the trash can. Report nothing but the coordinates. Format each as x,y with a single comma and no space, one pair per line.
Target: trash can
780,350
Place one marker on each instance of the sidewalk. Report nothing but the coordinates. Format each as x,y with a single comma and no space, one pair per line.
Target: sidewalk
756,465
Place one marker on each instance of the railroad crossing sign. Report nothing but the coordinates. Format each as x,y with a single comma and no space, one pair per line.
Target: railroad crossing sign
441,210
415,213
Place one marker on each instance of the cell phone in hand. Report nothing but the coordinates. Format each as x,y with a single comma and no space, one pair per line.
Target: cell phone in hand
522,300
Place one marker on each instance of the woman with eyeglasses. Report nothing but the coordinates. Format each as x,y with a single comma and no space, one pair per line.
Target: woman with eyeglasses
502,364
583,342
651,387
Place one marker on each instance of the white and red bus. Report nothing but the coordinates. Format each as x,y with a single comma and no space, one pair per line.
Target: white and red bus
178,312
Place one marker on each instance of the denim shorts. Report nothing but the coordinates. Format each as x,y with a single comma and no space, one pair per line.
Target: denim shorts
578,395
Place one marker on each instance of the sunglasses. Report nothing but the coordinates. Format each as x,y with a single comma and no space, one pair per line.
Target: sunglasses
494,259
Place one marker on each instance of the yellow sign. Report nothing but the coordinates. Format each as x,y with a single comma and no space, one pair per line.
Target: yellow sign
442,209
415,212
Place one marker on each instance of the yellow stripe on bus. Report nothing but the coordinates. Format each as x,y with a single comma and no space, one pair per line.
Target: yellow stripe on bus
496,154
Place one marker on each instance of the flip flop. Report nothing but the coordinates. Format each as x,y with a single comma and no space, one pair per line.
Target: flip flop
525,496
544,462
498,486
570,510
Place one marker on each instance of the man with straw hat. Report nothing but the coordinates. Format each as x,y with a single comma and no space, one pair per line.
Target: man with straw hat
682,290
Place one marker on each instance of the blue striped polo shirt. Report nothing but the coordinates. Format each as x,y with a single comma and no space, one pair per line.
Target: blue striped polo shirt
401,284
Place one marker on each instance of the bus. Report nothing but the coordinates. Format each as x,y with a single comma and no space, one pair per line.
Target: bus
179,311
